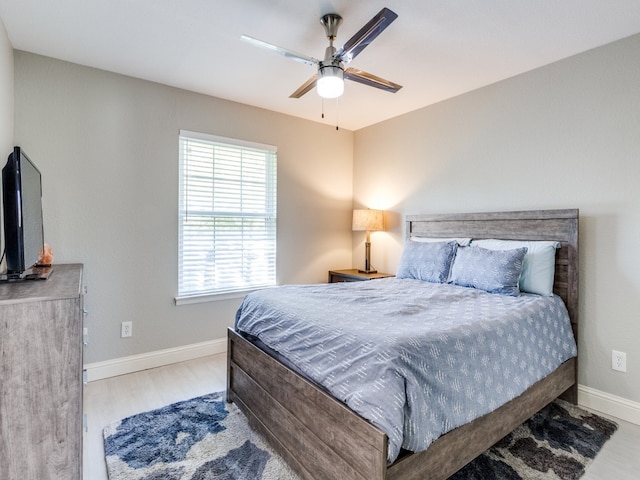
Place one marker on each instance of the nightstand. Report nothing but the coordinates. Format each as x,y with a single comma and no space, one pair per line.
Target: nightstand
353,275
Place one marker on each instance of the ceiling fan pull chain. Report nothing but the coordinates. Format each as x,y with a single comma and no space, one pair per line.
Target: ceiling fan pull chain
337,114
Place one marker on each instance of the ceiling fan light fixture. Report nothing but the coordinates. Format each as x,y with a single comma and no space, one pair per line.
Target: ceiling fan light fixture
330,82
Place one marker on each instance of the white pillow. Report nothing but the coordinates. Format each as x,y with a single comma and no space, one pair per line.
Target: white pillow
462,242
538,266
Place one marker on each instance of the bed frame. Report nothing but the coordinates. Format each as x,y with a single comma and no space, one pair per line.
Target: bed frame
321,438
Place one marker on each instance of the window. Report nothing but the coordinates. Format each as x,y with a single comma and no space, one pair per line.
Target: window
227,215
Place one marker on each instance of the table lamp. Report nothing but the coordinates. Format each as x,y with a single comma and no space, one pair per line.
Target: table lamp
369,221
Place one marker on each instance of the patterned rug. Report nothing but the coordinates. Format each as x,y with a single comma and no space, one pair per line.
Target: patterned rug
207,439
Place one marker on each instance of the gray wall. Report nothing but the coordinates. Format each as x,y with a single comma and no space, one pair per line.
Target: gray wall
563,136
6,94
107,146
6,108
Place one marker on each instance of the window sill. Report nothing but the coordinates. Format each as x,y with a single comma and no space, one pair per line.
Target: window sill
210,297
215,297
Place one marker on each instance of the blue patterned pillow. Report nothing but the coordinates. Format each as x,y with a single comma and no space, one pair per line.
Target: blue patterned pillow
430,262
538,266
495,271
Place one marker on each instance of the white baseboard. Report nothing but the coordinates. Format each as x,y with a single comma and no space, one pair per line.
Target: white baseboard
159,358
609,404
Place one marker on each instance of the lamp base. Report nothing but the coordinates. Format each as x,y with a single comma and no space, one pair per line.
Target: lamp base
367,271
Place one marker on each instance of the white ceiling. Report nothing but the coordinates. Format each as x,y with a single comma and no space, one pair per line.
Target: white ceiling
436,49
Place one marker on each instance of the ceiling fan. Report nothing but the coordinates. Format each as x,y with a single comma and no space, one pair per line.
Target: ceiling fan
329,79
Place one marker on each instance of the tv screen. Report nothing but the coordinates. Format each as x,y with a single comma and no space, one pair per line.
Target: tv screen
22,201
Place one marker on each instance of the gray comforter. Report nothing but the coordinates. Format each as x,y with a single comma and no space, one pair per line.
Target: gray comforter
416,359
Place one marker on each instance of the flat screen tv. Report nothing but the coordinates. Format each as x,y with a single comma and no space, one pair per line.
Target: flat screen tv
22,209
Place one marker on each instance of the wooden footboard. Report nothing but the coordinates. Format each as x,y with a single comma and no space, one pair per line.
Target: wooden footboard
323,439
319,436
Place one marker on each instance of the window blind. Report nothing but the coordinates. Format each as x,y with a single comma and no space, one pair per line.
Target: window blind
227,215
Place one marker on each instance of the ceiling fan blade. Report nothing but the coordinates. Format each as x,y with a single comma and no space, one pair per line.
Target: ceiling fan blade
371,80
298,57
365,35
305,87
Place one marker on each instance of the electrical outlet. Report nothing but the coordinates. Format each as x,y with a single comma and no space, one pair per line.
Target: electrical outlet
619,361
126,329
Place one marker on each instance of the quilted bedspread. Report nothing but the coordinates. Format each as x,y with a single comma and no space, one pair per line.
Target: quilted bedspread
416,359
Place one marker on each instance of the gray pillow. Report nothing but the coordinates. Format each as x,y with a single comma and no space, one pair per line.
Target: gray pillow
430,262
495,271
538,266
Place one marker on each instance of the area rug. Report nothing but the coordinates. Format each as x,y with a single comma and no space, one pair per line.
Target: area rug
207,439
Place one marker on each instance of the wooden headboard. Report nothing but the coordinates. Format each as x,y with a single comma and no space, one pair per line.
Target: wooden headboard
558,225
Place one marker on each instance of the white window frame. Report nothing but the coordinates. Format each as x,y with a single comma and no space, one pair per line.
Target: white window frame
226,217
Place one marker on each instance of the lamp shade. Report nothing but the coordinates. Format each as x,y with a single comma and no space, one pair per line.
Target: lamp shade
367,219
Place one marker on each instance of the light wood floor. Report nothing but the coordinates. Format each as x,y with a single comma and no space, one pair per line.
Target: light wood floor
109,400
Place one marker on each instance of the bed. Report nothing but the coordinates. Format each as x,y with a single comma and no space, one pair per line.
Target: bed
322,438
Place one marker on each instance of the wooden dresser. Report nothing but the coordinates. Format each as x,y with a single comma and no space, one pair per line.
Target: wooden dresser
41,377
